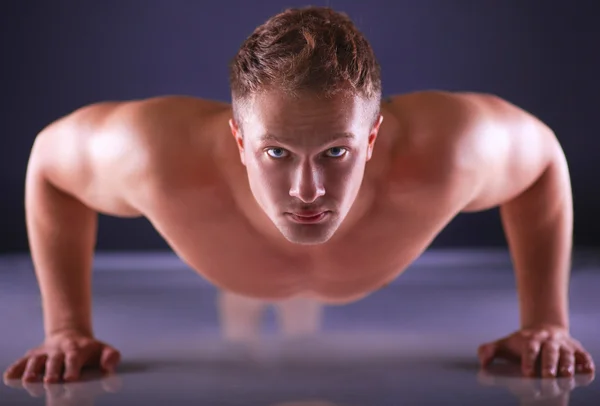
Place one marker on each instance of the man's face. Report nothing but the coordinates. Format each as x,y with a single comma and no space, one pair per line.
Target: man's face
305,159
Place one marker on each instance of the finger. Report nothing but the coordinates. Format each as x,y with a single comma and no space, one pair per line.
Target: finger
566,362
54,366
487,353
17,369
584,362
531,352
550,357
73,363
109,359
34,368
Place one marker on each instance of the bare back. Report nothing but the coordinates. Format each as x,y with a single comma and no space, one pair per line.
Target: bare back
174,161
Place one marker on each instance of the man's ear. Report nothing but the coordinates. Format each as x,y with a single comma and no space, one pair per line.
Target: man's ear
239,140
373,136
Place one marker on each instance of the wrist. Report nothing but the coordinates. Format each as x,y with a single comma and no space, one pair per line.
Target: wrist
69,327
545,325
550,315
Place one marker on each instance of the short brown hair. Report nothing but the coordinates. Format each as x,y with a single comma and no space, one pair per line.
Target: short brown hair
306,49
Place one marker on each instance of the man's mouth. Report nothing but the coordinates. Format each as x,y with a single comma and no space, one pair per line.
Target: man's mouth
308,217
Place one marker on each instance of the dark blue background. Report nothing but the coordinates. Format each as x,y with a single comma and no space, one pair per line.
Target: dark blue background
57,56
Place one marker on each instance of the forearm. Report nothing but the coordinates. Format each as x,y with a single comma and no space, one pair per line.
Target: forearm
539,226
62,235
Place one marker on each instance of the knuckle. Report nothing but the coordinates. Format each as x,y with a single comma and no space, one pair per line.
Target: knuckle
531,346
554,335
531,356
569,360
528,334
74,359
567,351
552,346
72,355
69,346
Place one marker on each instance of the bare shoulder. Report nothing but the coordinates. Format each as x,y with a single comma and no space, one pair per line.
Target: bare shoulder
457,107
162,127
473,143
451,116
107,152
176,137
433,130
459,122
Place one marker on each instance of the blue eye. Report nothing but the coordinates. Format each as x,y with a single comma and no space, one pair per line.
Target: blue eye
276,152
336,152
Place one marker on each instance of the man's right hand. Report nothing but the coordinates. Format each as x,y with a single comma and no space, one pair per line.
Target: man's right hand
62,357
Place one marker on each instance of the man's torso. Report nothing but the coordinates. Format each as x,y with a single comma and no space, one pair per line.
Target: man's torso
193,188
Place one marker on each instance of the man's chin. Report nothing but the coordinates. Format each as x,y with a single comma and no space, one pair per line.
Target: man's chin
307,235
307,241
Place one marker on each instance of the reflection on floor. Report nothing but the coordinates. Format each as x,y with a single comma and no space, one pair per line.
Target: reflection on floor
412,343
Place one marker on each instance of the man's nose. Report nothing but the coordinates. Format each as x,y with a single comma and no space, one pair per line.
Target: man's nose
307,184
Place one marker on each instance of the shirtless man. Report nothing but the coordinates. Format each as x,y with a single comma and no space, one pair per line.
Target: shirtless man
324,191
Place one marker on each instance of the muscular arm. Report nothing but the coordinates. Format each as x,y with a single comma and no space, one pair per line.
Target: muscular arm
68,183
524,172
538,224
99,159
62,235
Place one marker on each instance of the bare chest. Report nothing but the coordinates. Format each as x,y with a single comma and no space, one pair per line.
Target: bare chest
222,246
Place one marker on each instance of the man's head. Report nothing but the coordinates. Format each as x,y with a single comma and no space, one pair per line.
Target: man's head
306,91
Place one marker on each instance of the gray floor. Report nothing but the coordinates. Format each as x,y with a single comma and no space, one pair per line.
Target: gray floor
412,343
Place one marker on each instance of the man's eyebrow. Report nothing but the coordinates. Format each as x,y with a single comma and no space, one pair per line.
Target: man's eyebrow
268,137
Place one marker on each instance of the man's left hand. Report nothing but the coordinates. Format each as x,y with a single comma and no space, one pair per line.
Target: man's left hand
545,351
